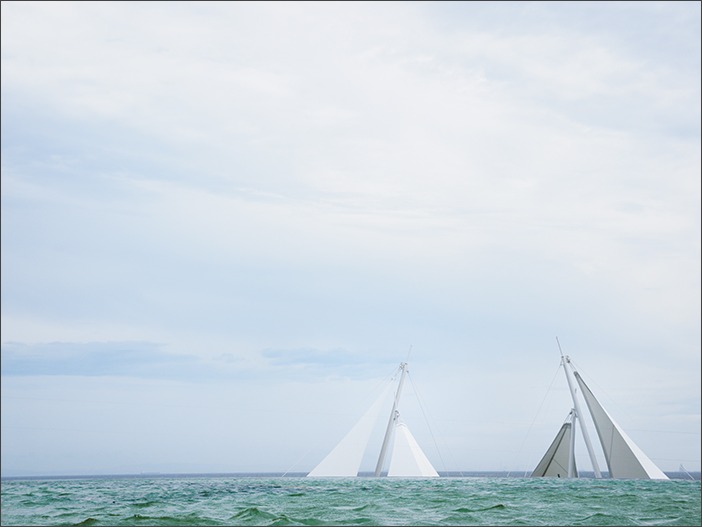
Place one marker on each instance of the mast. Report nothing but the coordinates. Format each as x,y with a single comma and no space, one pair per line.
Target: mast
571,450
565,361
393,417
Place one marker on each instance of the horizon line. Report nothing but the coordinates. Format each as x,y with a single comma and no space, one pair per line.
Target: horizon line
281,474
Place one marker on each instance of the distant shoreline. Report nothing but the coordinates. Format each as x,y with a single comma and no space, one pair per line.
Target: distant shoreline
446,474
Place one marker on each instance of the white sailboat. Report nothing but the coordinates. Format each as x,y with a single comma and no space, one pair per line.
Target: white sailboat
684,471
406,457
624,458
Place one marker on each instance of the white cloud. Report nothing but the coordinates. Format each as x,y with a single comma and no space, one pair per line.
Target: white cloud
226,178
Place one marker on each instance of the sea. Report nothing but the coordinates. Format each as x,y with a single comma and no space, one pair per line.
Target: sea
264,499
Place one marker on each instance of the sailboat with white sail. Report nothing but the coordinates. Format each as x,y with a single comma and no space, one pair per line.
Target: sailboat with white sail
625,460
683,470
399,446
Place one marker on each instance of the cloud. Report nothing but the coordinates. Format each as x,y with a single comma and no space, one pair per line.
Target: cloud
92,359
302,192
148,360
334,363
368,157
310,357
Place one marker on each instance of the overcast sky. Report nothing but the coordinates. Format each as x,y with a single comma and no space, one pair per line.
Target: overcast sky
224,223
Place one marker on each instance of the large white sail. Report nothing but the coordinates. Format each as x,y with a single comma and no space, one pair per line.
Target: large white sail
554,464
408,459
624,458
345,459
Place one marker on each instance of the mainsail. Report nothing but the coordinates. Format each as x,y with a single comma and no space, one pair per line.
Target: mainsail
345,459
624,458
406,457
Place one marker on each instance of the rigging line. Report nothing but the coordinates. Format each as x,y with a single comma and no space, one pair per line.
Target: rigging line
663,431
548,390
592,382
298,461
678,459
379,386
683,469
373,394
603,394
431,432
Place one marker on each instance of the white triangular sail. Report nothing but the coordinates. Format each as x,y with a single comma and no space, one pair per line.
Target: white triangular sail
345,459
624,458
554,464
684,471
408,459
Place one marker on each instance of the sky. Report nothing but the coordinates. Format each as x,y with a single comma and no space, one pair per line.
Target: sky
224,224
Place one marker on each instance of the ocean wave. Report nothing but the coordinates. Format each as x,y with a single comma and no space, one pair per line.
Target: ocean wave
88,521
367,501
482,509
602,518
253,514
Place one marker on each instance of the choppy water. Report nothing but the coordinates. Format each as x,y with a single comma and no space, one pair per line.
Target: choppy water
357,501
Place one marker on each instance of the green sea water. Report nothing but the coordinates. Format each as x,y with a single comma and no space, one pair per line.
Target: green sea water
353,501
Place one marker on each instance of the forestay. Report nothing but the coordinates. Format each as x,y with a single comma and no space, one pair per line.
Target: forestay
345,459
